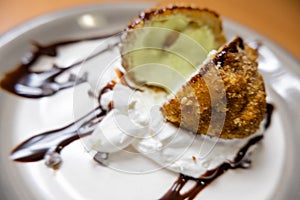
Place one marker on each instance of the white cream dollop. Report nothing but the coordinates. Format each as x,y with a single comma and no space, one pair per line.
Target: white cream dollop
136,120
127,121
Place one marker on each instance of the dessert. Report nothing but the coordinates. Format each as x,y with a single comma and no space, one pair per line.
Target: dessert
244,93
202,25
144,108
177,37
226,93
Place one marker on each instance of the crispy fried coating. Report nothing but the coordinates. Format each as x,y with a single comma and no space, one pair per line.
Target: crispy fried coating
196,15
242,89
188,19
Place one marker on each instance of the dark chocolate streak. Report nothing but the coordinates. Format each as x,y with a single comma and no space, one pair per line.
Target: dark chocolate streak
240,161
38,146
270,109
26,83
209,176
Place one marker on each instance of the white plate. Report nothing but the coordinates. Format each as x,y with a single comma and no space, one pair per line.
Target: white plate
274,173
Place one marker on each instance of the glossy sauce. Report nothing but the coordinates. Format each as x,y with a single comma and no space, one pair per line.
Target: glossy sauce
24,82
52,142
240,161
209,176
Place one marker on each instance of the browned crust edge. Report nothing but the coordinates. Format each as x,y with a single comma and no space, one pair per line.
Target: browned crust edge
246,102
148,14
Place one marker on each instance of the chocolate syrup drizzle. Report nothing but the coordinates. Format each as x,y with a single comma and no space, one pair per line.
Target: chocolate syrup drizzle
30,84
24,82
50,144
240,161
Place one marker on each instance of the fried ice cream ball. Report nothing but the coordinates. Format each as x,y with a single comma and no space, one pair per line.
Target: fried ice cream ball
179,37
238,85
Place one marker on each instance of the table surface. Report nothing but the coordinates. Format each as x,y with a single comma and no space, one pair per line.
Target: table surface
279,20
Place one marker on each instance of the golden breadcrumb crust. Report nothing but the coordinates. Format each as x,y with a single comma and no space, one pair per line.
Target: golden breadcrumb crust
207,17
193,105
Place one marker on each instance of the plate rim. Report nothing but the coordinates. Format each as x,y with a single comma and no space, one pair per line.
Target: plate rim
280,52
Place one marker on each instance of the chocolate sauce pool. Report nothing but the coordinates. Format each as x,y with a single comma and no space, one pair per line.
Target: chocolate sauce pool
47,146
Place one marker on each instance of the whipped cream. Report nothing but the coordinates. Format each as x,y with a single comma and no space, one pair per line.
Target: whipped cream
136,121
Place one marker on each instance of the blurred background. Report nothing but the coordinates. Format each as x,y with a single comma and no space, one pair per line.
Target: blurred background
279,20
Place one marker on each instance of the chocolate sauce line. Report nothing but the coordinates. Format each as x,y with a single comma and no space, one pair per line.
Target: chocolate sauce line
36,147
39,146
270,109
208,177
240,161
26,83
51,49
